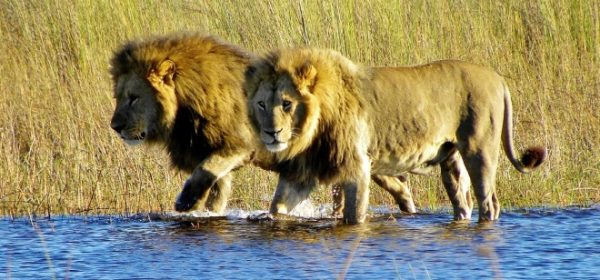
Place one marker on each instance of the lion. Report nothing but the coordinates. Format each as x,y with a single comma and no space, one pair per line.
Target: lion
185,91
326,118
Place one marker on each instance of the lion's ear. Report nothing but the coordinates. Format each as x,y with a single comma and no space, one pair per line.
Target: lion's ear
162,74
305,76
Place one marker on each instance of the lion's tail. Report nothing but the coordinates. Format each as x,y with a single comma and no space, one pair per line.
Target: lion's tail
533,156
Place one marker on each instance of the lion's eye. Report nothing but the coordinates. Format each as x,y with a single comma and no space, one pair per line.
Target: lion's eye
132,100
261,105
287,105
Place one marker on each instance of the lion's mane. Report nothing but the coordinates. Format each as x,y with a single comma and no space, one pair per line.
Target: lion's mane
208,81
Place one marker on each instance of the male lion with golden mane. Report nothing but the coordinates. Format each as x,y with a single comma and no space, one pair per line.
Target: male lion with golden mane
326,118
185,91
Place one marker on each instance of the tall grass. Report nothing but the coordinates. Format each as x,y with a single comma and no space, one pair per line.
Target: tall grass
59,155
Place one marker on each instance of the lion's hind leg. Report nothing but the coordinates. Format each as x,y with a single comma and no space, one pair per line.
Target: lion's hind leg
457,183
482,171
399,190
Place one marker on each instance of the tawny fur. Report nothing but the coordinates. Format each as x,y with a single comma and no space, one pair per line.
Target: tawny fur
444,112
184,91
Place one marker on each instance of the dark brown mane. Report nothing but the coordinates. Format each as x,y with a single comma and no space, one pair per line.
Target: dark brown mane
208,83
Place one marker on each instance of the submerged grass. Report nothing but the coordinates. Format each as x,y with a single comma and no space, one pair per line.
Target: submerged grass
59,154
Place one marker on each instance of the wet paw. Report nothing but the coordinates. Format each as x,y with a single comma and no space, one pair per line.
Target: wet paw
408,207
487,214
462,214
186,200
261,217
184,204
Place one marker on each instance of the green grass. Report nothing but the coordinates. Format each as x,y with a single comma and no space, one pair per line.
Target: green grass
59,155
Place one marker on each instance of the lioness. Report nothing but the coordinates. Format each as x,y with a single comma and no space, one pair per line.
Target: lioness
324,117
185,91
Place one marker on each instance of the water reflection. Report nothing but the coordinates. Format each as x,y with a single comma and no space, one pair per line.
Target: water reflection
539,243
395,244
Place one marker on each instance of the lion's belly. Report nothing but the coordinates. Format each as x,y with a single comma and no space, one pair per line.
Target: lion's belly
400,161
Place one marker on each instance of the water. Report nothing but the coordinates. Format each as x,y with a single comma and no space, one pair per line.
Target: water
524,244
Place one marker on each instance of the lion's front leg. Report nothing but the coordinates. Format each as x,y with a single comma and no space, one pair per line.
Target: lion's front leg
356,193
356,183
289,194
210,171
219,194
337,192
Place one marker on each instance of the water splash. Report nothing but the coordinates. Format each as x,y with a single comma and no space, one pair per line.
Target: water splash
304,210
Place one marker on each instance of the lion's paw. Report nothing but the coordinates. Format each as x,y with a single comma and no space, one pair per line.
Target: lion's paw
186,200
261,217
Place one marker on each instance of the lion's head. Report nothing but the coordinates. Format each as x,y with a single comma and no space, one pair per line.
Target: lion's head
289,92
182,90
146,106
285,111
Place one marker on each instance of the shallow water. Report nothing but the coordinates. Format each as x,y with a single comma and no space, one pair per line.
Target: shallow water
524,244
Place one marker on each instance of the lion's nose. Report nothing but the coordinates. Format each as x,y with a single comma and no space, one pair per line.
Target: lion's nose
273,133
117,126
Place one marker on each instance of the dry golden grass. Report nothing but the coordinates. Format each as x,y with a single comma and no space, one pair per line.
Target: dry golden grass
59,154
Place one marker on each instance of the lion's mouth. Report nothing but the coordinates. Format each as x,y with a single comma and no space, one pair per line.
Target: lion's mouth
276,146
135,139
140,136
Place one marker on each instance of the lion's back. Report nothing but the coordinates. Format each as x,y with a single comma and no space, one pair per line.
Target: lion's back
413,110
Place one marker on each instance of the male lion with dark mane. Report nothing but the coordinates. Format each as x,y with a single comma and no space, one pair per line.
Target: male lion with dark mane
325,118
185,91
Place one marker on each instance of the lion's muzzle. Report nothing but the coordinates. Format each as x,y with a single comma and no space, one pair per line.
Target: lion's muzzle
272,140
130,136
117,126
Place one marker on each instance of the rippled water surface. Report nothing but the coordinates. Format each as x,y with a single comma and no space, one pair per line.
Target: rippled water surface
527,244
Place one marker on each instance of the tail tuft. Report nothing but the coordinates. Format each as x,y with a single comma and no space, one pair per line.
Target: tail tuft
533,157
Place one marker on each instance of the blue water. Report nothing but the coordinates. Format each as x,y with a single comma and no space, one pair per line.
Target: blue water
524,244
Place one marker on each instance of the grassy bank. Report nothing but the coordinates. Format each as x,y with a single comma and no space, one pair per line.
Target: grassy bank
59,155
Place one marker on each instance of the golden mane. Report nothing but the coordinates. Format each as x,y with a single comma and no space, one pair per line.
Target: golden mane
336,88
335,73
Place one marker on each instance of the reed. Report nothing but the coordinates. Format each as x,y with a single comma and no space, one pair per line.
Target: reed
59,155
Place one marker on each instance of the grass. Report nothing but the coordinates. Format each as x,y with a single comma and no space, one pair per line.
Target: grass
59,155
